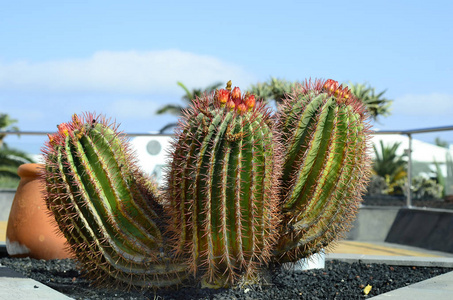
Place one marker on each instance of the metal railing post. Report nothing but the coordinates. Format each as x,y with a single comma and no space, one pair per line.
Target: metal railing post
409,173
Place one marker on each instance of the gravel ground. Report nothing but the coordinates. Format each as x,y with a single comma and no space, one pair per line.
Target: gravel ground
338,280
386,200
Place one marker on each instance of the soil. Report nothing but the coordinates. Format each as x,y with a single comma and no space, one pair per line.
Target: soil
338,280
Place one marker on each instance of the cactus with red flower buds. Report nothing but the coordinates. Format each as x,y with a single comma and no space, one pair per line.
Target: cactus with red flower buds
243,188
222,186
105,207
325,133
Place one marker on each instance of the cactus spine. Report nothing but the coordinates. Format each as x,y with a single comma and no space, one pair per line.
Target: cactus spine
325,166
105,207
221,186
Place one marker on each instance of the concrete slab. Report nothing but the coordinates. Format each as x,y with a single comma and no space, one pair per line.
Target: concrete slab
446,262
383,248
423,228
372,223
439,288
14,285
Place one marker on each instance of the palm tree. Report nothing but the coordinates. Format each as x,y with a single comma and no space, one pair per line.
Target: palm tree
445,181
177,109
375,103
388,164
10,159
6,125
274,89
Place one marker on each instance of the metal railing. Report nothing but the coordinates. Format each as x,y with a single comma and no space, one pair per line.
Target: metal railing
408,152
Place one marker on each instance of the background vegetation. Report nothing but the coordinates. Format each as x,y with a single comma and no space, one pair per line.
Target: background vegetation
10,159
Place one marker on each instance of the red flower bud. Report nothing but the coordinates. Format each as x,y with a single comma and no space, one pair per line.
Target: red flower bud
331,85
343,94
338,92
76,120
222,96
52,139
242,108
63,129
249,101
346,93
230,104
236,95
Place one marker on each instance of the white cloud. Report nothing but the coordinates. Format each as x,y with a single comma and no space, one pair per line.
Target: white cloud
129,108
129,72
434,104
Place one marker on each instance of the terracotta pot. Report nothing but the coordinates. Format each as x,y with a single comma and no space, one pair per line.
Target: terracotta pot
32,230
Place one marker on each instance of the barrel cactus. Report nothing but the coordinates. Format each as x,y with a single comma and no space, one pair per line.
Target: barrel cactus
243,188
106,208
325,166
222,185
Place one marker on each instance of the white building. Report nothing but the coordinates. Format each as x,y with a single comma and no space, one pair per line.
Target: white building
152,154
421,151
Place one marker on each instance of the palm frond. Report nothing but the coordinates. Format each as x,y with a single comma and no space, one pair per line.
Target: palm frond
376,104
173,109
387,163
274,89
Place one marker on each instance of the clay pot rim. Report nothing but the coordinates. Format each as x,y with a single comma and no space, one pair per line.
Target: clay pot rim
30,169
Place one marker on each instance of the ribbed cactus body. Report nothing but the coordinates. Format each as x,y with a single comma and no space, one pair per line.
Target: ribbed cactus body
105,207
325,166
243,188
221,188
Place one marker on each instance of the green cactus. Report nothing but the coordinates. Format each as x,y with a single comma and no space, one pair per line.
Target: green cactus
244,188
325,168
106,208
222,186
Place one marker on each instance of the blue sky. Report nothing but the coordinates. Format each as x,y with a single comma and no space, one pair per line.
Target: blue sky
123,58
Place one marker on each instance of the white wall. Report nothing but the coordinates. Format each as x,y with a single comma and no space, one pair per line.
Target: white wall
152,154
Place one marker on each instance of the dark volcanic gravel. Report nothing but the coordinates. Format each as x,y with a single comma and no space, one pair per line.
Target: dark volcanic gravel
338,280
